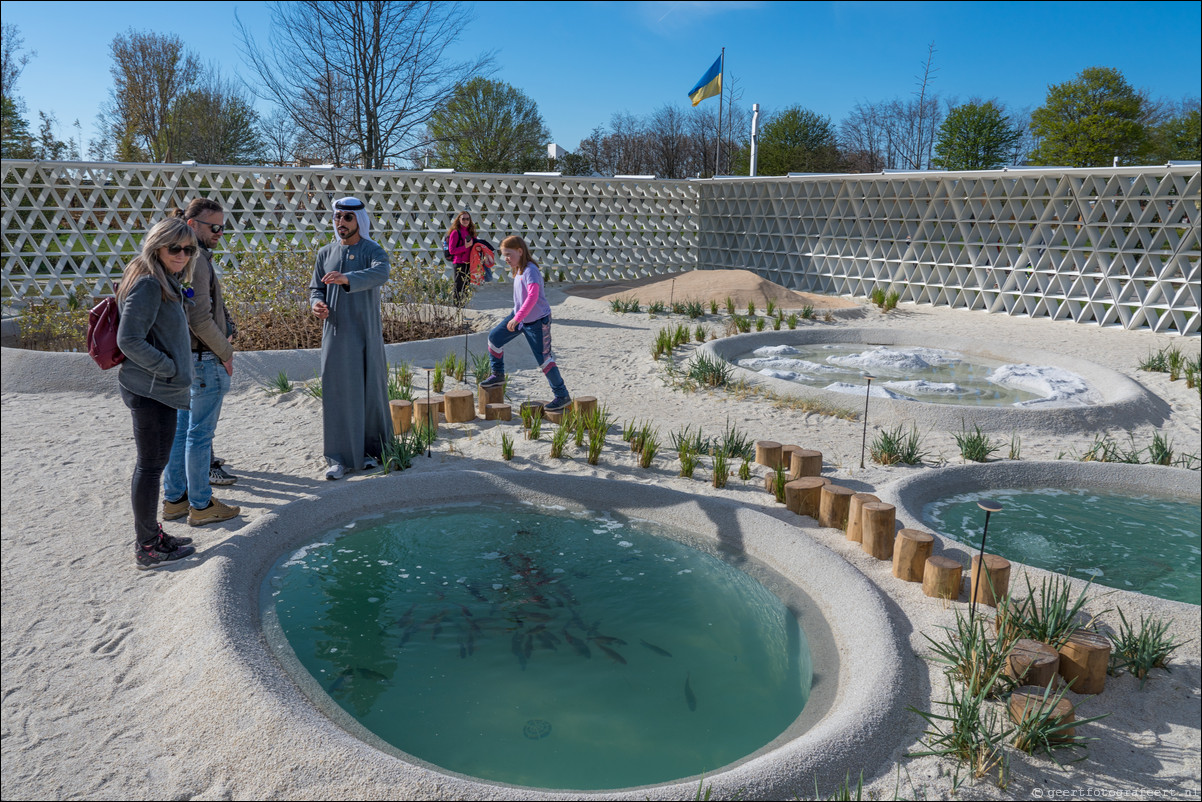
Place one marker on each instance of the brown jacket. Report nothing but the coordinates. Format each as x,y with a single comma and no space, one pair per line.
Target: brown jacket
207,317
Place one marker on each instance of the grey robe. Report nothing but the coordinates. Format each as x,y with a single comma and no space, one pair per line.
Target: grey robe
354,374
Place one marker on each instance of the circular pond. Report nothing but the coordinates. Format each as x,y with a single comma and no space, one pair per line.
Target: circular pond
1129,527
1148,544
540,648
945,382
845,622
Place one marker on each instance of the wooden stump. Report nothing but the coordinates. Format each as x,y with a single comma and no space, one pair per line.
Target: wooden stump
1033,663
786,460
497,412
806,463
1027,702
941,578
911,548
585,405
833,503
802,495
555,416
767,453
488,395
402,415
878,523
855,517
425,412
993,579
458,406
1083,660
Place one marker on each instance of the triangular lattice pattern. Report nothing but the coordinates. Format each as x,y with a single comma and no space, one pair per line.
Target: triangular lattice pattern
1110,246
1116,246
73,225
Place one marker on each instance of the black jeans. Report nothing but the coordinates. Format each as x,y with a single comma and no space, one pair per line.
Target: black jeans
462,279
154,432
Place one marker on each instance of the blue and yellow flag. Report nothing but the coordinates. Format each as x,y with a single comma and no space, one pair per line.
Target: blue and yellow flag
709,85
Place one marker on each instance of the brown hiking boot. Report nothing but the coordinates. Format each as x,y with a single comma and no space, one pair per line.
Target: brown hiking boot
214,513
175,509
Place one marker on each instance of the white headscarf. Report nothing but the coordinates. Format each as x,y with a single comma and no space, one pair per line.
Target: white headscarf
349,204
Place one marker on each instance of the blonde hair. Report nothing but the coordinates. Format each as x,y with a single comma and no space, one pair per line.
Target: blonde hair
471,227
516,243
172,231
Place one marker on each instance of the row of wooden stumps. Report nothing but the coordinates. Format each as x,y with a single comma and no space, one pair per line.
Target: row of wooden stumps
872,523
461,406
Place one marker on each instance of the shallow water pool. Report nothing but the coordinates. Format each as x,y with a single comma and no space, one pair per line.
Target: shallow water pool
1142,543
930,375
538,647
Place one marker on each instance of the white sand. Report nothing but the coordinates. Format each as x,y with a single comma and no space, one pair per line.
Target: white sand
105,688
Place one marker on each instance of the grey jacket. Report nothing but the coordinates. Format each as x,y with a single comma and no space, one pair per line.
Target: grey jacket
153,335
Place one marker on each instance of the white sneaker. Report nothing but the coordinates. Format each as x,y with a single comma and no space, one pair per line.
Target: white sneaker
335,471
370,462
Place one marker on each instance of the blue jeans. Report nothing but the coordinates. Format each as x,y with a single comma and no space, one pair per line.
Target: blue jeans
188,469
538,334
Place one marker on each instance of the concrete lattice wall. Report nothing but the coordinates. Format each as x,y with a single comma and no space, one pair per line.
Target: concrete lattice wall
1114,246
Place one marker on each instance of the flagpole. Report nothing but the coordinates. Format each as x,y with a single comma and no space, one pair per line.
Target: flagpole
721,91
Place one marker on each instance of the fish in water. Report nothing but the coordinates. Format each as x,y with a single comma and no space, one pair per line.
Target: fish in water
548,641
611,654
689,697
404,621
475,591
608,640
656,649
409,633
350,674
580,646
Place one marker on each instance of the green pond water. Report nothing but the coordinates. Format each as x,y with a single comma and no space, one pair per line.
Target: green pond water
537,647
1141,543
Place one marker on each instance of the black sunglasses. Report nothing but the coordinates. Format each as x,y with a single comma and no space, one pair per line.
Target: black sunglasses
188,249
348,216
216,228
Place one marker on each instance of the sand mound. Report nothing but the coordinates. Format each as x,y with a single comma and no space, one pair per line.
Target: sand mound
706,285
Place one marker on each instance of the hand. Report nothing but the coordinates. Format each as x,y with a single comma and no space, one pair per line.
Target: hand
334,277
321,310
229,365
512,325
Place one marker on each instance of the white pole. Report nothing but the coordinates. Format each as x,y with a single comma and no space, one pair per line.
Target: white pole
755,133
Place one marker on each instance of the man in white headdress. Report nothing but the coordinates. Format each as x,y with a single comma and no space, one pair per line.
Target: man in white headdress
345,295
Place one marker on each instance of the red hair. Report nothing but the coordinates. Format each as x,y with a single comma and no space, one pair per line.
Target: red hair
515,243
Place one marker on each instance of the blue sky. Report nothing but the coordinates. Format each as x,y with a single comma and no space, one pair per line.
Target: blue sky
584,61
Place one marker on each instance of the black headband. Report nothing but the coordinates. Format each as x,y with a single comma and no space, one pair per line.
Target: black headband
349,205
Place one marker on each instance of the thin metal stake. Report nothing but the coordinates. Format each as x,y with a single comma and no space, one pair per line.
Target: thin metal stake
429,415
989,507
864,439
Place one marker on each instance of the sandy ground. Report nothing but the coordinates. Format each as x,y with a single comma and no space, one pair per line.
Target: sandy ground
99,660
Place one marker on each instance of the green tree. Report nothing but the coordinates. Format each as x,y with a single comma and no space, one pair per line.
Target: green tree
217,125
488,127
975,136
1179,137
1088,121
795,140
49,147
15,141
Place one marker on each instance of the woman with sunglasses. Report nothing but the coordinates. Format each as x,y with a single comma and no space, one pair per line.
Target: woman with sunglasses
156,377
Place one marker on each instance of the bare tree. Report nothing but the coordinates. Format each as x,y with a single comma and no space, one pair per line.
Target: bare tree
667,137
379,69
279,137
150,72
12,58
862,138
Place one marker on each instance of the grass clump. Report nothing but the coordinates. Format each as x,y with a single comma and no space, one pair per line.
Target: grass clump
1048,613
807,312
657,308
975,446
894,446
709,371
506,446
650,447
792,320
279,385
721,468
397,452
1140,649
560,438
623,305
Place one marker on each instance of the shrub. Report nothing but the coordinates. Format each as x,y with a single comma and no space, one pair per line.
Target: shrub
892,446
1140,650
709,371
975,446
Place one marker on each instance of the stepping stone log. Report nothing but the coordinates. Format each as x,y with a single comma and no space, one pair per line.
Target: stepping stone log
425,412
941,578
879,523
1083,660
488,395
805,462
498,412
855,516
911,548
802,496
458,406
833,504
990,582
1027,702
767,453
402,415
1033,663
